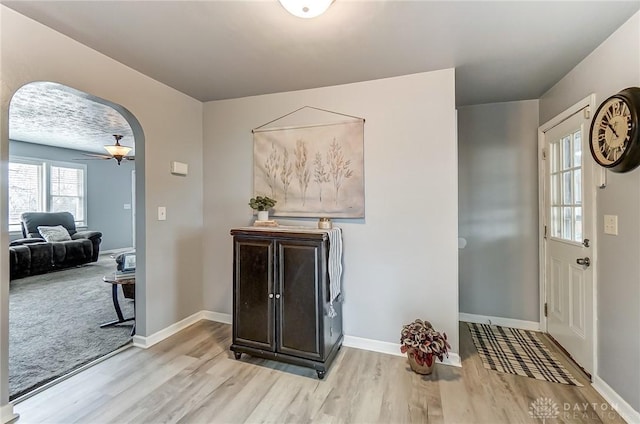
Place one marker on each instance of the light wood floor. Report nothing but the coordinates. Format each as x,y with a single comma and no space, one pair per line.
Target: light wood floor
193,378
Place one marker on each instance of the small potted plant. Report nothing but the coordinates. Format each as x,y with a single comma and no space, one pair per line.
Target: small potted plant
423,344
262,204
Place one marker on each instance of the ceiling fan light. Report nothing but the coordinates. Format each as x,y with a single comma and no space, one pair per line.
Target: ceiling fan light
117,150
306,8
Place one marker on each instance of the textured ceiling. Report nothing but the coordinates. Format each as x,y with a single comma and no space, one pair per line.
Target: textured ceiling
55,115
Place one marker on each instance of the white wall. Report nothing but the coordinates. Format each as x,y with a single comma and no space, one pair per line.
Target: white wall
498,209
168,127
613,66
401,262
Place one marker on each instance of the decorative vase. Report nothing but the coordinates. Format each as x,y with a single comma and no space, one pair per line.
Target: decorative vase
263,215
420,369
324,223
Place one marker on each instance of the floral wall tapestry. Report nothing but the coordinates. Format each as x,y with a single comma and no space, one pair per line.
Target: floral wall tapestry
312,171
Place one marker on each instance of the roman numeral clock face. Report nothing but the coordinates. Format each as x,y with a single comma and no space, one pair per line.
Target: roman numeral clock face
614,137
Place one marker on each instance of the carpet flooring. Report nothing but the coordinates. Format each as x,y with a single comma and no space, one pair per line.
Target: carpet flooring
518,352
54,323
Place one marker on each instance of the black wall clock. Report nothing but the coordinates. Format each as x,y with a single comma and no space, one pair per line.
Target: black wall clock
614,138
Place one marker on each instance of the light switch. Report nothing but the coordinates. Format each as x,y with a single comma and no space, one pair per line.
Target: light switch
162,213
127,206
611,224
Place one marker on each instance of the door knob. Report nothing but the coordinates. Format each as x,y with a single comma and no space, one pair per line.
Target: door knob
270,295
277,296
583,261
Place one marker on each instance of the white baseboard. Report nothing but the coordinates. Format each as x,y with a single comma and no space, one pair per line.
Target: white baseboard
391,348
503,322
453,360
372,345
118,250
146,342
621,406
349,341
7,415
218,317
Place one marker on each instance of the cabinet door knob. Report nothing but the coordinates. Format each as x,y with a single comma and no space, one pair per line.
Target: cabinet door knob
270,295
277,296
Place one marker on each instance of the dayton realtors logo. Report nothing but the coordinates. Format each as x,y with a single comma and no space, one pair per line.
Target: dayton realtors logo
544,408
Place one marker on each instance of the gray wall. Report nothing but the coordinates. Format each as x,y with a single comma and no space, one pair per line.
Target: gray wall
167,126
401,261
108,189
498,209
613,66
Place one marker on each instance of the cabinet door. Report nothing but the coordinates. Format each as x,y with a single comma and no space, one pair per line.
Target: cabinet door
253,318
298,308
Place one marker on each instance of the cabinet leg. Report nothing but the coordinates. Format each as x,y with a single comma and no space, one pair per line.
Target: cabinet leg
237,355
320,375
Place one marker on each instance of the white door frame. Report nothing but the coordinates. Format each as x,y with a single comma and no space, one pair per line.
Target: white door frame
588,102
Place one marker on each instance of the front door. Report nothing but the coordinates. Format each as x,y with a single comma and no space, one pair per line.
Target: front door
569,202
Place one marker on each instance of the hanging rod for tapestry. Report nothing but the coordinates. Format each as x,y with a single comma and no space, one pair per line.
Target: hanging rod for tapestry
307,107
297,127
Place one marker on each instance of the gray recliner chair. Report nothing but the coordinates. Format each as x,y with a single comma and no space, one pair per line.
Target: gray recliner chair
32,220
33,255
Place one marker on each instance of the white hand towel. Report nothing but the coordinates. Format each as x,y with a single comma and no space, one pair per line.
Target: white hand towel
335,267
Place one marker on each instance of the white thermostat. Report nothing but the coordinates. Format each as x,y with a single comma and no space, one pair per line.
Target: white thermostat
179,168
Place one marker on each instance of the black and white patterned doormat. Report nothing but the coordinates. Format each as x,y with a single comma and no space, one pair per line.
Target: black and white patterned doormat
519,352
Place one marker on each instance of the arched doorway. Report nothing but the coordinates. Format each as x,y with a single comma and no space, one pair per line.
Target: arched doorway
58,163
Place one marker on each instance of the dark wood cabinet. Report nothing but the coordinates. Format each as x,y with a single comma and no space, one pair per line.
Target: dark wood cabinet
281,297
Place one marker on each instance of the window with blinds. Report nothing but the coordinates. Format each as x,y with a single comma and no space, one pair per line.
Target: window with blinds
25,191
66,188
43,186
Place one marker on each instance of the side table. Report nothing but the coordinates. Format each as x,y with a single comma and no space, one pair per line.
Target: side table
116,305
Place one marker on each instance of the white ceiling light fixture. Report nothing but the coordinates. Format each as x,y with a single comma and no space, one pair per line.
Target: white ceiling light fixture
117,151
306,8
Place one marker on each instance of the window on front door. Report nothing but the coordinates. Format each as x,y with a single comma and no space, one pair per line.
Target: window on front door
566,187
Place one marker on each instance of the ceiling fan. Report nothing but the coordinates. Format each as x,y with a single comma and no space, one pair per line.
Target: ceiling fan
116,151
